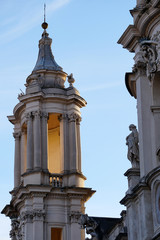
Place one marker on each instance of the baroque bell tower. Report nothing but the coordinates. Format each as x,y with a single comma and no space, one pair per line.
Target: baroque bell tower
49,194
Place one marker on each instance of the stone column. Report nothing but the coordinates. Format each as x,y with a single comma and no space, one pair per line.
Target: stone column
23,151
29,142
79,143
73,142
64,141
44,141
37,140
17,159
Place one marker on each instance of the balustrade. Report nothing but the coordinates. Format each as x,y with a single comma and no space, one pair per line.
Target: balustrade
56,180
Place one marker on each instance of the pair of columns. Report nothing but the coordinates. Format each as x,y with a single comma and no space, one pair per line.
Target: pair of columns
37,140
37,144
36,148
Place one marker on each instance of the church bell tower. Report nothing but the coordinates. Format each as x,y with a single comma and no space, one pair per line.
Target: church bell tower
49,195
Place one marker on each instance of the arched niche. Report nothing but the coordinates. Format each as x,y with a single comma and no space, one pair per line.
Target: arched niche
54,161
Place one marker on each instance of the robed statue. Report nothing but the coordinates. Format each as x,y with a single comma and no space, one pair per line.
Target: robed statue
132,141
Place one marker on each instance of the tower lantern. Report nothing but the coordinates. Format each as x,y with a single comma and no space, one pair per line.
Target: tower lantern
49,194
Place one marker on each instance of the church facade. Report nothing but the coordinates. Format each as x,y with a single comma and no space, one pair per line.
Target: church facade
141,220
142,198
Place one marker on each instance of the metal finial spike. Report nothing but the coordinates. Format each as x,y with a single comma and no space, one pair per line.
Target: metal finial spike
44,12
44,24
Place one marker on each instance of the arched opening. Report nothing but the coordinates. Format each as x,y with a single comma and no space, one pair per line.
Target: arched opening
54,163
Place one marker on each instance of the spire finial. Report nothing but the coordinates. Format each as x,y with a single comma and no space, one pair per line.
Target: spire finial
44,24
44,12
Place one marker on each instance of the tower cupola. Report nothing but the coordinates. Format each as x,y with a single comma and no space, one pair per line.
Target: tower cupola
46,73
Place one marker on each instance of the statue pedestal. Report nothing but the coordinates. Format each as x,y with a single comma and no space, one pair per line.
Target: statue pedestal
133,175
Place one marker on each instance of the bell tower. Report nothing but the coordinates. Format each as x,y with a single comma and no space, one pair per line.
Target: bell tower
49,194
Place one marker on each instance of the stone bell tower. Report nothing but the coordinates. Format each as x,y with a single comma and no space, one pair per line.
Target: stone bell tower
49,194
143,196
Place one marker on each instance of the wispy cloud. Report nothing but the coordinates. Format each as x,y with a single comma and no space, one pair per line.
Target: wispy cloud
101,86
26,22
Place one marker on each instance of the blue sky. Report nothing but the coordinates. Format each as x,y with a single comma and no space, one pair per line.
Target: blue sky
85,35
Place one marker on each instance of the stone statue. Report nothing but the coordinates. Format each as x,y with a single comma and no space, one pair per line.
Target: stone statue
90,225
132,142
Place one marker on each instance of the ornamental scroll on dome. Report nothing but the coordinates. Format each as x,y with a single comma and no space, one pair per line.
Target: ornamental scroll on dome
150,50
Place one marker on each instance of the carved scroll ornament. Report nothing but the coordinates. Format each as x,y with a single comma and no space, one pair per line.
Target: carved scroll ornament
150,50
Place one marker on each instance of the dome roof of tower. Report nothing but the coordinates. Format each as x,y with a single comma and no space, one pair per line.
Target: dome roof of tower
46,59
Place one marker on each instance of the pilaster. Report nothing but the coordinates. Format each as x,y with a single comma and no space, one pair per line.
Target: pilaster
23,150
75,225
73,142
29,141
17,159
79,119
143,92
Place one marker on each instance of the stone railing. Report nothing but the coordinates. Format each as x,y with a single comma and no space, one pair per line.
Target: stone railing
56,180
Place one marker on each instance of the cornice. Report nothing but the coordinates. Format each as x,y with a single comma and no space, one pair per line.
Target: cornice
144,21
142,185
65,99
130,38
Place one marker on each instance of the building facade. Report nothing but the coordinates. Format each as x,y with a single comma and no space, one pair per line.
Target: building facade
143,195
141,221
49,194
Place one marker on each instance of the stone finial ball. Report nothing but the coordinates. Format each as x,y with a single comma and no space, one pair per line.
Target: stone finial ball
44,25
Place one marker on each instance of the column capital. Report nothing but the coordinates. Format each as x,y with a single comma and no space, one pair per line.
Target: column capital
17,135
28,115
79,119
38,214
73,117
45,115
75,216
63,116
37,113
